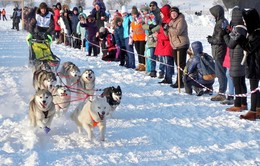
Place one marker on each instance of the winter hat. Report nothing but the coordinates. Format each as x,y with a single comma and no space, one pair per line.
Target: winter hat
237,18
43,5
197,47
75,9
82,15
145,8
153,3
102,30
117,19
123,9
134,10
175,9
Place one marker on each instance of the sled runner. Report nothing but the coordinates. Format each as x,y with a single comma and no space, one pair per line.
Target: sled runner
40,52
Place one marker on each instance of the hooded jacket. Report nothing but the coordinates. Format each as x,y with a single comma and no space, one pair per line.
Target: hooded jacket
252,44
218,44
235,52
163,46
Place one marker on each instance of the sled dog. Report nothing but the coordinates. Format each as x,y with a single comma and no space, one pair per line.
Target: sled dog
41,66
61,99
86,82
43,79
41,110
71,73
90,114
113,96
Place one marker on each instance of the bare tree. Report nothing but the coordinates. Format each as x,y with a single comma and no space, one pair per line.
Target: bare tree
53,2
80,3
122,2
110,4
165,2
68,2
4,3
30,3
16,4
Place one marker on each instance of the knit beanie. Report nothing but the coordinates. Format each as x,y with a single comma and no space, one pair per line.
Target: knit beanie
134,10
175,9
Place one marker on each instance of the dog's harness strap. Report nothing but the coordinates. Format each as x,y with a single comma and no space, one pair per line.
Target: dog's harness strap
45,114
94,123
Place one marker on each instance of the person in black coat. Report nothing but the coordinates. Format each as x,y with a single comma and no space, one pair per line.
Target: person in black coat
251,44
237,70
219,47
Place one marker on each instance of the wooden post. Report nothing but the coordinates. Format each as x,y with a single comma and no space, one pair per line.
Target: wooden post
22,14
179,76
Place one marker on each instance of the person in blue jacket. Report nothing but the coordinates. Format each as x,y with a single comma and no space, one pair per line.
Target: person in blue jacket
193,70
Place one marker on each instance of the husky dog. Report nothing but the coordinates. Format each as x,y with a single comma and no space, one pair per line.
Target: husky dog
90,114
41,66
43,79
87,82
71,73
41,110
114,96
61,99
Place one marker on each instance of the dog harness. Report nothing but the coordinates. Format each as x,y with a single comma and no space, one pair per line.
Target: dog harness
94,123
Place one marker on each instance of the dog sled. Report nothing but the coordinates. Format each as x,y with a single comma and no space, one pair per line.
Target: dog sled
40,52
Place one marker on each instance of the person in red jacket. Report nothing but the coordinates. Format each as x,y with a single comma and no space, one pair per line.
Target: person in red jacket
56,17
163,46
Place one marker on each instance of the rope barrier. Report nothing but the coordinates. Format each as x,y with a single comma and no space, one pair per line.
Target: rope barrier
178,67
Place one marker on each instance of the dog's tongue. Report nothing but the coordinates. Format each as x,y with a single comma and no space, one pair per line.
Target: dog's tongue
44,105
64,94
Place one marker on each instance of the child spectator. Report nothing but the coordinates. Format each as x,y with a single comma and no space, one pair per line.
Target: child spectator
119,38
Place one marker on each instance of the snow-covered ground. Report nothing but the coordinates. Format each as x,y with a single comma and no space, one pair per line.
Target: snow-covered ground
154,125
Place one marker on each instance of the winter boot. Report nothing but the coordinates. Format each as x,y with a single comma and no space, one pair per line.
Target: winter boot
188,89
199,91
237,109
218,97
228,101
161,75
142,67
152,74
175,85
250,115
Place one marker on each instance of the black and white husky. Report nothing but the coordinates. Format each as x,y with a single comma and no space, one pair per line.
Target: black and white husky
114,96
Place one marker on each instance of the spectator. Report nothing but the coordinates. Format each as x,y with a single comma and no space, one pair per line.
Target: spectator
237,70
152,25
251,44
219,47
130,58
119,38
92,29
83,32
99,14
193,69
0,14
4,15
101,2
178,34
56,16
163,45
138,36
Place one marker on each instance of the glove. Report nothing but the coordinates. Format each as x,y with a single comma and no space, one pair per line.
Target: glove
165,26
151,26
210,39
46,129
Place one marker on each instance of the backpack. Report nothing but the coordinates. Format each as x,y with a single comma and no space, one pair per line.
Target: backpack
207,67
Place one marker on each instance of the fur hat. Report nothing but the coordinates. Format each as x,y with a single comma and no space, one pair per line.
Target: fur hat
102,30
43,5
175,9
123,9
134,10
117,19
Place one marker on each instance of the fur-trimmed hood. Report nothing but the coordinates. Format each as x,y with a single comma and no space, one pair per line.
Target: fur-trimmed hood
117,19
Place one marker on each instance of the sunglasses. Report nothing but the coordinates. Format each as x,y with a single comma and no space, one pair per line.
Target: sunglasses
152,5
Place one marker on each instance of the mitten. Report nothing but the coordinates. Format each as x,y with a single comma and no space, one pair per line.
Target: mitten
46,129
210,39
